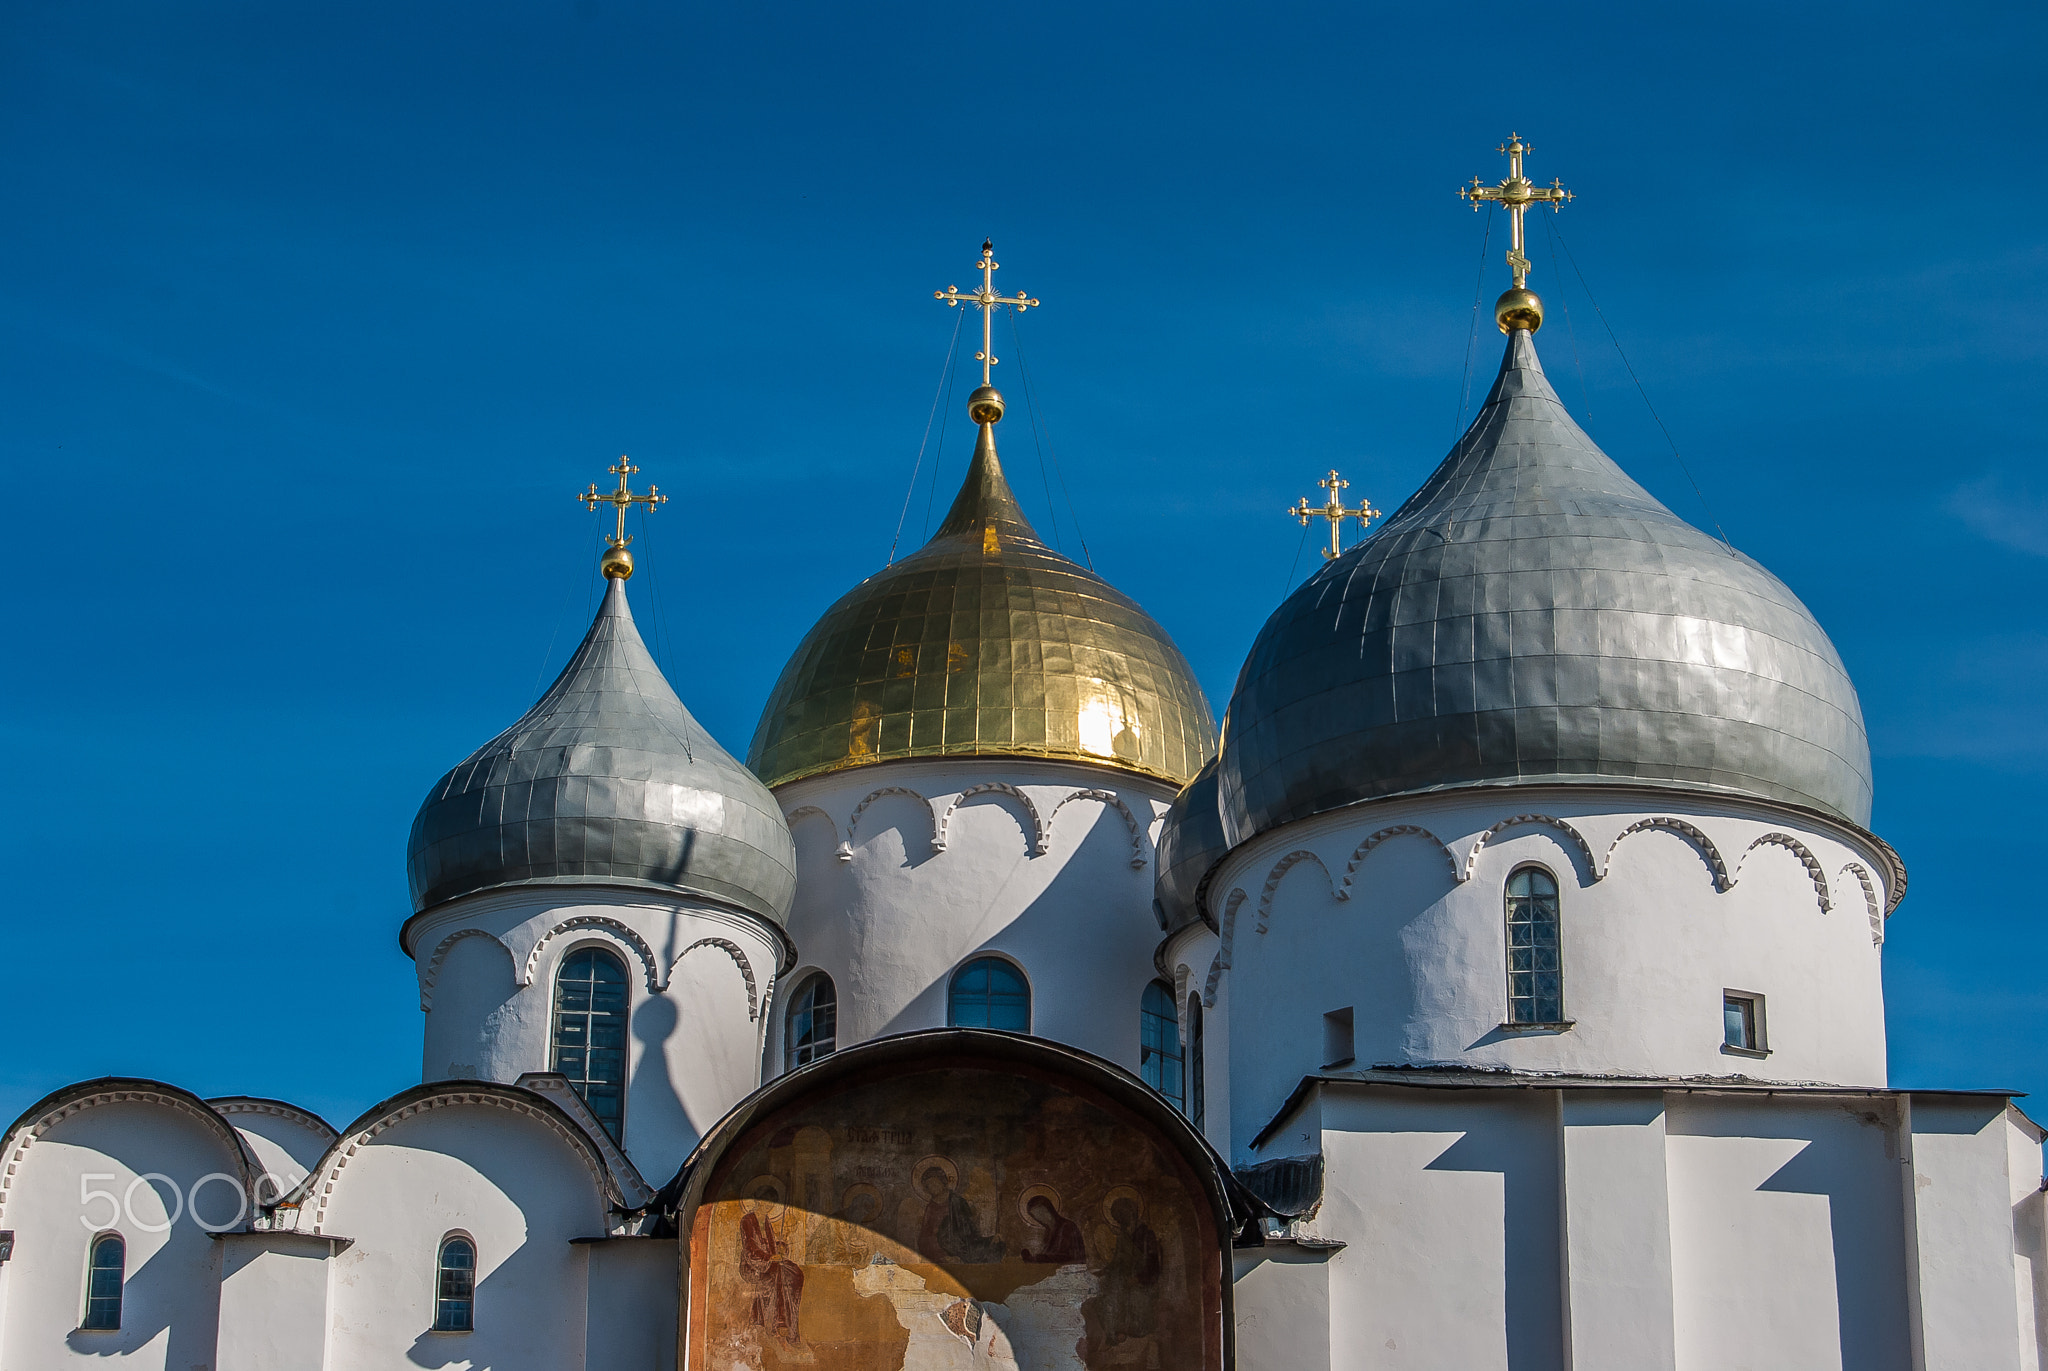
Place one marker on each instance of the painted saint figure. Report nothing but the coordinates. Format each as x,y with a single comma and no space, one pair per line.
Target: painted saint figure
778,1282
1063,1243
949,1227
1128,1305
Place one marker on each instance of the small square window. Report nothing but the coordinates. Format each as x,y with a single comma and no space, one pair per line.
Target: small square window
1742,1023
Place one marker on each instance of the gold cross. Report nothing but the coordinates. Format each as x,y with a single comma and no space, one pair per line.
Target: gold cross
1335,510
986,300
1518,192
623,498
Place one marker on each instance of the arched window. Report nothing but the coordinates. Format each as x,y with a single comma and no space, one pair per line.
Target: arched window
1159,1055
590,1032
1198,1094
812,1030
455,1286
103,1282
989,992
1535,977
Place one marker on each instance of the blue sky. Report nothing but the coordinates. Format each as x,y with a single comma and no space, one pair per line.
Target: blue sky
313,319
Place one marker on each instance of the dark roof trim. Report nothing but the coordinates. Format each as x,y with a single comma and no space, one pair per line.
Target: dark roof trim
1472,1078
57,1099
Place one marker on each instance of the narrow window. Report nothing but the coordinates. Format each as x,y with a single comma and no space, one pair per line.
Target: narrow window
813,1027
1338,1048
1535,982
1742,1023
1159,1054
103,1282
590,1032
455,1287
1198,1092
989,992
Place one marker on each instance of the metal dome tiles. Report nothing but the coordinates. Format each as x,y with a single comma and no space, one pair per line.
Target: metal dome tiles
1533,615
1191,843
608,780
985,643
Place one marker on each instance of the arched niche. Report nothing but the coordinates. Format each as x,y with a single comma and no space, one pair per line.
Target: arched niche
956,1197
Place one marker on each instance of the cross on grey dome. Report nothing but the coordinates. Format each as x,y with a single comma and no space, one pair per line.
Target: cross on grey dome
1531,615
608,780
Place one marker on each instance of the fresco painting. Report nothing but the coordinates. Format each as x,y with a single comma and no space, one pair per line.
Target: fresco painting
954,1217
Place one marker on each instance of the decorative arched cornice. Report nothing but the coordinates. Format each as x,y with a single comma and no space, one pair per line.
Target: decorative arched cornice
319,1186
617,928
1114,801
430,974
1343,890
739,957
806,811
232,1105
62,1104
1870,899
853,819
1279,874
993,788
1690,832
1220,963
1547,820
1806,859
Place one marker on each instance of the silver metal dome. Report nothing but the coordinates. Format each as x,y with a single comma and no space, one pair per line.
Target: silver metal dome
606,781
1191,843
1532,615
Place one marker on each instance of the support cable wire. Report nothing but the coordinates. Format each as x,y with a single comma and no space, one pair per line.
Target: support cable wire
1472,336
1073,514
1289,585
931,492
1569,257
568,604
943,387
1585,395
1031,408
662,639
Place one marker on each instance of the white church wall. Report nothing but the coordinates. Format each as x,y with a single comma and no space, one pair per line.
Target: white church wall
287,1142
1617,1229
635,1298
122,1162
1395,912
698,980
1187,957
1282,1305
1449,1204
2023,1138
273,1302
1047,864
1964,1241
509,1181
1788,1234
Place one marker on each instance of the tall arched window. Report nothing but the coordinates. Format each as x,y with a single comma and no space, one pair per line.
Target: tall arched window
590,1032
1159,1055
812,1030
103,1282
1535,976
989,992
1198,1093
455,1286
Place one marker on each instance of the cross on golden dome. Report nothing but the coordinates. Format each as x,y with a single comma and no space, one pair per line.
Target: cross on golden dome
617,562
1519,308
987,301
1336,511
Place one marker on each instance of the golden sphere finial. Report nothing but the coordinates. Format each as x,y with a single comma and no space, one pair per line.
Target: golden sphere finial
1518,307
985,406
617,563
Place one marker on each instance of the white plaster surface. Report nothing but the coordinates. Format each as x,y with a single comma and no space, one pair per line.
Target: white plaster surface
1046,879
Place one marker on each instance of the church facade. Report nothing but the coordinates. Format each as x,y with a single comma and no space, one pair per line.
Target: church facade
1501,988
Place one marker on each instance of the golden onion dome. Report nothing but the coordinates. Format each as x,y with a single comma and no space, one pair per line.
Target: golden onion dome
985,643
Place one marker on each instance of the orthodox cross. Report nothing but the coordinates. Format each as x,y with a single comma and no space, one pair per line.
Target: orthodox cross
1518,192
986,300
623,498
1335,510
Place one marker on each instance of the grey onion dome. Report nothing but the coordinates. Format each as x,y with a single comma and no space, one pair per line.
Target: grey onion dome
1191,843
1531,615
608,780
